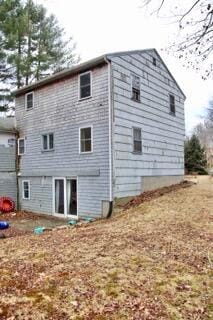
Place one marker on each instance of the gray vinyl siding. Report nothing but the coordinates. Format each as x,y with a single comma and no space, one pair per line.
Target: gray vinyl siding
57,110
40,195
7,172
162,132
7,159
5,136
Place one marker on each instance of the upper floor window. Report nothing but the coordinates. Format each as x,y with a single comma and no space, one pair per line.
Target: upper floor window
172,103
154,61
48,141
137,140
21,146
26,189
85,90
29,100
136,94
86,140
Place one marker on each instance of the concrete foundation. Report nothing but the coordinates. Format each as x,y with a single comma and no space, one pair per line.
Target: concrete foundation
150,183
155,182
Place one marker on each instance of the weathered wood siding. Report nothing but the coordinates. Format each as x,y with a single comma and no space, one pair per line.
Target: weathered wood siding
58,110
7,172
162,133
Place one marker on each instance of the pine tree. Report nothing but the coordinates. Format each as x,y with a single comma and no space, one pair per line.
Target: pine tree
195,158
32,46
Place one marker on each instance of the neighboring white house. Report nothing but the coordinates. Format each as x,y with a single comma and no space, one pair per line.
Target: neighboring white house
105,129
8,181
7,131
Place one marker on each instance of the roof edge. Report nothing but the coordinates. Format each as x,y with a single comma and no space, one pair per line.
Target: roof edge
86,65
62,74
170,73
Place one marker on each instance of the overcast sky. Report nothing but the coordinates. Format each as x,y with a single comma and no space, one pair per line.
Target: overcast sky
100,26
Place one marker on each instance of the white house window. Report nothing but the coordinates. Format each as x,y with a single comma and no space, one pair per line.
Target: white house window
137,140
11,142
26,190
85,85
21,146
29,100
48,141
136,96
86,140
172,104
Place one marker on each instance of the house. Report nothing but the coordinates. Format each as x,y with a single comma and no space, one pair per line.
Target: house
104,130
8,157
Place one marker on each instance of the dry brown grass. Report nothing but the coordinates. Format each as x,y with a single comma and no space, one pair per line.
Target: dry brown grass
150,262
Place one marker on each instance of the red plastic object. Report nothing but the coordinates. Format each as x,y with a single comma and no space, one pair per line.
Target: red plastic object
6,205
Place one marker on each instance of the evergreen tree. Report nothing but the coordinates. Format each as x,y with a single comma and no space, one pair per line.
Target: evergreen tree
195,158
32,46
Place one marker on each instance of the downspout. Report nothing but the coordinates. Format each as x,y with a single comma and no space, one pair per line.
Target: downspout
17,166
110,140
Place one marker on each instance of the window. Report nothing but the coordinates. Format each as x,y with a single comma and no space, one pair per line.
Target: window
136,88
85,85
29,100
11,142
21,146
137,141
26,190
172,103
85,139
154,62
48,142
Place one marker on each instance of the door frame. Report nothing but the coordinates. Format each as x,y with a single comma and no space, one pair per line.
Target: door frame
64,215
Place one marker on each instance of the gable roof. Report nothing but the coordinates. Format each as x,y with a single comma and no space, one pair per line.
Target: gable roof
7,124
84,67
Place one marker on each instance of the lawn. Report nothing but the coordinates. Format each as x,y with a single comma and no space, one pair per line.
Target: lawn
152,261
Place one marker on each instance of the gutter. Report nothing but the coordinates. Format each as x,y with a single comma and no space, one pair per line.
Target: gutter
110,139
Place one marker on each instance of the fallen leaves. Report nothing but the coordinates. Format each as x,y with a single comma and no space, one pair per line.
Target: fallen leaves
149,262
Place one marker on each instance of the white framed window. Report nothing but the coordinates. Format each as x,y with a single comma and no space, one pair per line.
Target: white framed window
172,104
86,139
136,92
48,142
85,85
29,100
21,146
26,189
137,140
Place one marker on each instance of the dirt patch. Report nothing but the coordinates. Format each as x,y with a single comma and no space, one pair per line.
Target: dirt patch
22,223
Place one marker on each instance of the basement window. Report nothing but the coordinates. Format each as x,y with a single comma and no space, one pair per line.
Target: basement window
26,189
85,90
172,104
137,140
48,142
29,100
86,144
21,146
136,96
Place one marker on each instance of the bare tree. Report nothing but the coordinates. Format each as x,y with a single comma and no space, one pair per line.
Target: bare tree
194,18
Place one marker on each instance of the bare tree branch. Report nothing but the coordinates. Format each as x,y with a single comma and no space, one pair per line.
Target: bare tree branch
195,37
188,11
